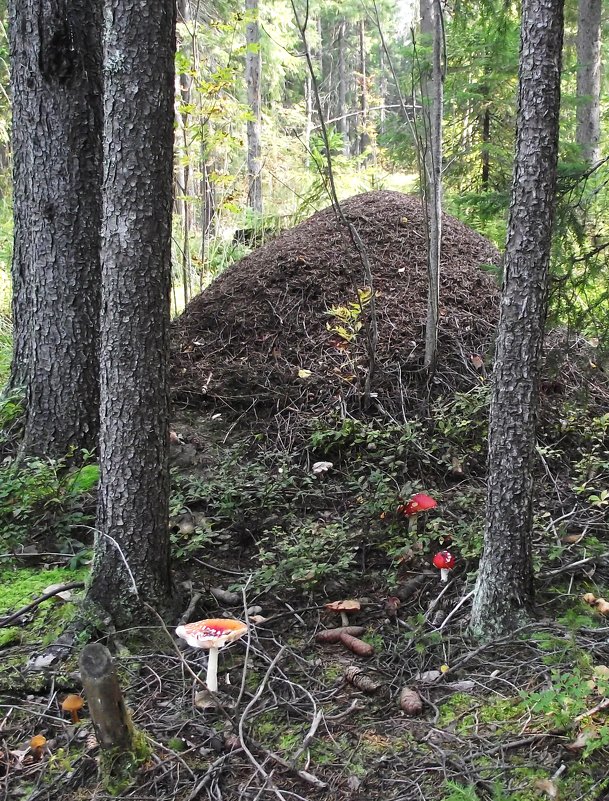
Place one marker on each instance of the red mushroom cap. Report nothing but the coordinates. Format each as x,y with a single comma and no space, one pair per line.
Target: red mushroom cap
418,503
444,560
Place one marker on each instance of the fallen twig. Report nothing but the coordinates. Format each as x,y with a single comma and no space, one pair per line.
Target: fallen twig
600,706
454,611
190,608
573,565
73,585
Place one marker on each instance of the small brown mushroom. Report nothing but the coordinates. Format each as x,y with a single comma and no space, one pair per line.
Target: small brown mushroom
73,704
344,607
602,606
37,744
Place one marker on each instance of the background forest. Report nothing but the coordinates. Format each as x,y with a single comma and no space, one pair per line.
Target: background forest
292,479
359,53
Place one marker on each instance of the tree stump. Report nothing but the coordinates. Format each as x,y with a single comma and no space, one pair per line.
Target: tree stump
109,714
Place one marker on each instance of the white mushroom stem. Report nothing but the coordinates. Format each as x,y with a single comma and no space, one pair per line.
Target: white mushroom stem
344,618
444,571
212,670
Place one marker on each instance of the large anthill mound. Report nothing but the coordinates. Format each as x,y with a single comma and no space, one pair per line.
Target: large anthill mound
282,329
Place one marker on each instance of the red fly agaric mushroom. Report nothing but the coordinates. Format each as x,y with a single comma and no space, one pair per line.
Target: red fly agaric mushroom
417,504
211,635
344,607
444,561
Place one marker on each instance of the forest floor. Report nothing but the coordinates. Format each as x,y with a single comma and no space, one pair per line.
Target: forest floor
521,718
257,523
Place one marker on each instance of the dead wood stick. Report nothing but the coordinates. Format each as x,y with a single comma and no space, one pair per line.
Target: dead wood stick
6,621
598,708
310,778
190,608
111,721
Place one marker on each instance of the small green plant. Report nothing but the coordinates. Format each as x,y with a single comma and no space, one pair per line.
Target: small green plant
571,694
347,323
11,410
6,349
184,545
460,792
43,497
306,555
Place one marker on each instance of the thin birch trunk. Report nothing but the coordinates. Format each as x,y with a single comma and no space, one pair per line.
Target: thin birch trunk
342,87
364,138
253,68
308,116
588,115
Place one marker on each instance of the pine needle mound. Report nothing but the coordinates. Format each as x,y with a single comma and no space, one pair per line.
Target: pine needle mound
268,336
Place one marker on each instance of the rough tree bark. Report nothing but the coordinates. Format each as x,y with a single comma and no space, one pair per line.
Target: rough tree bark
56,82
132,542
504,591
183,103
432,22
253,69
588,114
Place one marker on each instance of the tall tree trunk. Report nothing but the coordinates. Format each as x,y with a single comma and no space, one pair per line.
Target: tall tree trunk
485,120
321,58
588,115
208,208
486,156
56,82
433,170
253,67
132,545
364,137
308,89
341,109
184,97
504,591
382,92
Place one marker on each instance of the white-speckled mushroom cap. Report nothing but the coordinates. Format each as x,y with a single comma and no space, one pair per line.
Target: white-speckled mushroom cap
212,633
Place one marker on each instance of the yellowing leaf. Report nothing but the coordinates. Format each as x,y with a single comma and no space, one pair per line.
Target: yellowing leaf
304,373
548,787
582,739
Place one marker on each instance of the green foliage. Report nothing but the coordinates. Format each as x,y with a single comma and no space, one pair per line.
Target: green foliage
305,556
19,586
11,409
242,488
184,545
41,497
119,767
460,792
6,349
570,695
